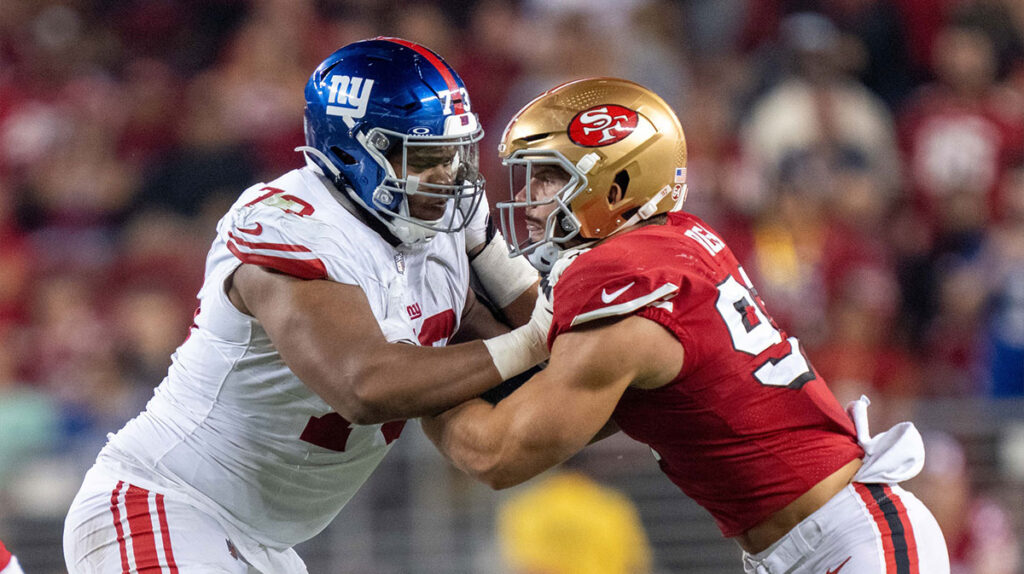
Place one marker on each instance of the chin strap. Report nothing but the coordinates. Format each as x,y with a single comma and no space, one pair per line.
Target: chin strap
650,207
406,232
543,257
308,151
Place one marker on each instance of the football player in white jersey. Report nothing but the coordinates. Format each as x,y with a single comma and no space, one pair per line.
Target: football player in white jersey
8,562
323,291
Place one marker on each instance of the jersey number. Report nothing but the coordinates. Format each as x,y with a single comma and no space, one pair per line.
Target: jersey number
331,431
752,332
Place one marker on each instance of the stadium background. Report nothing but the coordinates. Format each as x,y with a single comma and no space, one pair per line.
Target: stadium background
864,158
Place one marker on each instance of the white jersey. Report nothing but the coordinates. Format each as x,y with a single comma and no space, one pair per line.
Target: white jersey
231,426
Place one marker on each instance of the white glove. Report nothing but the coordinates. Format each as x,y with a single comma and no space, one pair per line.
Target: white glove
526,346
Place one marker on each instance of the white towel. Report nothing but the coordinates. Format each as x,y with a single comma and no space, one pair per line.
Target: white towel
891,456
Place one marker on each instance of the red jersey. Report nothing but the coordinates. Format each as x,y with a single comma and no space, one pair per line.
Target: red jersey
748,425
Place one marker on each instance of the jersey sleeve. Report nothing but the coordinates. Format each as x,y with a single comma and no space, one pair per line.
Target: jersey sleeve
605,283
281,232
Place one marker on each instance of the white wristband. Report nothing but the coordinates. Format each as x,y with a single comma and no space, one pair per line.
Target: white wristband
522,347
504,278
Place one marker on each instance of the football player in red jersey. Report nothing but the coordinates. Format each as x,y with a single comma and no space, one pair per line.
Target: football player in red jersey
659,332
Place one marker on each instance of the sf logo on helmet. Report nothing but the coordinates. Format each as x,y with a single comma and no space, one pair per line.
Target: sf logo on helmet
602,125
348,97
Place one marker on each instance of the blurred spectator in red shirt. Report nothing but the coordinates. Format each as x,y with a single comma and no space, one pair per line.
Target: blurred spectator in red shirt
960,133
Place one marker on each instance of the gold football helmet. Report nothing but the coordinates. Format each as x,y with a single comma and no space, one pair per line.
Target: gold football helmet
622,147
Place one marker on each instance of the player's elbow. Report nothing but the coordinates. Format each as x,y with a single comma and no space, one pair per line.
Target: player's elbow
493,471
355,399
365,407
502,480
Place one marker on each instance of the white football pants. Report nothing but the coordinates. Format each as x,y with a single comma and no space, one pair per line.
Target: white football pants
116,526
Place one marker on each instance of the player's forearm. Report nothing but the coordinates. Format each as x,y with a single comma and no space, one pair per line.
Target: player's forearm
397,381
518,311
502,445
475,437
468,435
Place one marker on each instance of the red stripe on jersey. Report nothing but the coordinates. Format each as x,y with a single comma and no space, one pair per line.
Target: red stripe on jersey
122,545
882,524
301,268
5,556
140,525
165,534
449,79
270,246
908,528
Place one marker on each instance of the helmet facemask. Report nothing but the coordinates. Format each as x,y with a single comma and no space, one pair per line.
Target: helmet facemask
561,226
417,153
405,157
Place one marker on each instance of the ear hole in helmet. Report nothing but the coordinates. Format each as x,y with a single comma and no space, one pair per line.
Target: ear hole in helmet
328,69
618,191
343,156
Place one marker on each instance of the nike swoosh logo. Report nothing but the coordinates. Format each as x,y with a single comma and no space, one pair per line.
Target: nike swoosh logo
840,567
253,230
607,297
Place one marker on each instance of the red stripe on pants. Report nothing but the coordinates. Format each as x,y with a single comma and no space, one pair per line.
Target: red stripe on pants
140,523
883,527
5,556
117,525
908,529
165,534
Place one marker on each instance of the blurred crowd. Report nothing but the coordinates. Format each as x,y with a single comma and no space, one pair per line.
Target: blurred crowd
864,158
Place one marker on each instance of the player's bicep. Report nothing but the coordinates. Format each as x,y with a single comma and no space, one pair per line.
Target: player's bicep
319,327
561,409
645,352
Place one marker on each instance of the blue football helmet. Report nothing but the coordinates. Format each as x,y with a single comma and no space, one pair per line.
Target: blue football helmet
380,111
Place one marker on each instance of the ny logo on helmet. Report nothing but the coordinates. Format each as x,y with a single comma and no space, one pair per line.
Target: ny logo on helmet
348,98
602,125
